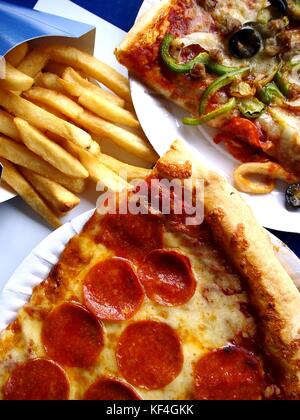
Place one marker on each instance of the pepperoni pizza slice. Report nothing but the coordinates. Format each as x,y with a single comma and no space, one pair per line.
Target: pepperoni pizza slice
145,306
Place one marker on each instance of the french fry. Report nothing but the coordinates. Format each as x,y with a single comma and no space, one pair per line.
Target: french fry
93,123
72,76
61,106
7,126
105,109
91,67
49,81
58,197
73,89
125,171
20,155
51,110
100,173
15,56
120,168
15,79
56,68
51,152
123,138
55,100
34,62
88,99
18,183
43,119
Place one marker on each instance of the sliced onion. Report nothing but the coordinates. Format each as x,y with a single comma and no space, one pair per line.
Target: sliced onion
207,41
293,105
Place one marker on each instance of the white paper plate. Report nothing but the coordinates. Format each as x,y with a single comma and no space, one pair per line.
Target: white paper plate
161,122
35,268
6,193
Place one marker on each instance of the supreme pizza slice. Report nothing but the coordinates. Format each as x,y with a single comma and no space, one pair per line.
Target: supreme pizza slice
143,305
232,64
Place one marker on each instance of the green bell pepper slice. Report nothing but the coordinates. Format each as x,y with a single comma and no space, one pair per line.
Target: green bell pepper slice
224,109
219,69
270,93
218,84
282,83
172,64
251,108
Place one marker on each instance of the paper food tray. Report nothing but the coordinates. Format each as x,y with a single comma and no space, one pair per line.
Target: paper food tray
21,24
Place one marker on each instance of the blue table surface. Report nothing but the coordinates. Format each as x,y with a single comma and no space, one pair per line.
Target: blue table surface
122,13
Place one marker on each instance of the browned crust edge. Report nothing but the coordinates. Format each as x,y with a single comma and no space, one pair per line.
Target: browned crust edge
248,247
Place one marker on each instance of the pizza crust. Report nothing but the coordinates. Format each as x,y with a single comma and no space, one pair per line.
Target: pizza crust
142,41
144,26
272,291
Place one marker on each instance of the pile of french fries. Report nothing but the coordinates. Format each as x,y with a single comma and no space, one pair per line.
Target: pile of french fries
53,118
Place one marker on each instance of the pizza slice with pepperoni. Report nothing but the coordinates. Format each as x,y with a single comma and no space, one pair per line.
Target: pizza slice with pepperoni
145,306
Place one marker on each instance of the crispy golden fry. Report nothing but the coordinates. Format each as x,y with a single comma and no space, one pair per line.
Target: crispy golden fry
123,138
15,56
123,169
15,80
43,119
130,107
49,81
91,67
56,68
71,147
95,124
50,110
51,152
7,126
34,62
16,181
57,196
20,155
74,78
107,110
88,99
61,106
55,100
73,89
101,173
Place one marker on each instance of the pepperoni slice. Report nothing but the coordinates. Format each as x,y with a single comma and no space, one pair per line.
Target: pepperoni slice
167,277
112,290
230,373
110,389
37,379
132,236
72,336
149,354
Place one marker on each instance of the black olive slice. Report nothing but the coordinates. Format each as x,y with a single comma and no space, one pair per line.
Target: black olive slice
292,195
245,43
280,5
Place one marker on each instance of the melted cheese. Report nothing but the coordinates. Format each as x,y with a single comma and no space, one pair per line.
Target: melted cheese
208,41
244,11
209,320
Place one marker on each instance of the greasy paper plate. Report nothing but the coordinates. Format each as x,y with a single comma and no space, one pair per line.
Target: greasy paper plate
38,264
6,193
162,124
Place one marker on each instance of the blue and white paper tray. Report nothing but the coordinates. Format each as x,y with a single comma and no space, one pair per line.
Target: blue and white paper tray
20,24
